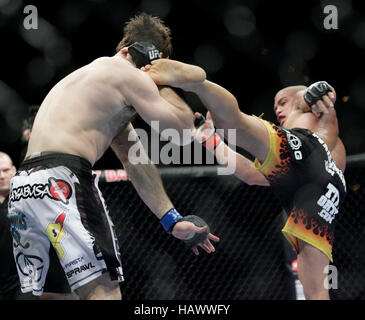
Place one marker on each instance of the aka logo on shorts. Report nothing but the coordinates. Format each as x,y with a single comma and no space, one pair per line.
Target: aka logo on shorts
55,189
295,143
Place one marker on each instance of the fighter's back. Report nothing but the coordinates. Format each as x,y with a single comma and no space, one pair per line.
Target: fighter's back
83,112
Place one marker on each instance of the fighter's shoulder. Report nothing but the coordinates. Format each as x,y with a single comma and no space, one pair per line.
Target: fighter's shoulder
108,64
119,69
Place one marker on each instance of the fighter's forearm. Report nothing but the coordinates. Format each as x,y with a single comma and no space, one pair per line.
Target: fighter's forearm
180,107
328,127
148,184
141,171
182,113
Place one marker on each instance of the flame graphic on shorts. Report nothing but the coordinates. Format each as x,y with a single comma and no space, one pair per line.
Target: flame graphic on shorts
309,230
281,166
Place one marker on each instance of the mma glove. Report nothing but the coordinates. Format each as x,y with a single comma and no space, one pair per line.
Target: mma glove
316,91
211,140
169,220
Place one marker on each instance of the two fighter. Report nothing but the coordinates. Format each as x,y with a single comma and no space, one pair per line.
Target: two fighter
91,109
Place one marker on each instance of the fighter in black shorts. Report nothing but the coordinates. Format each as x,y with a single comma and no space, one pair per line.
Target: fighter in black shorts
55,191
303,159
301,171
308,183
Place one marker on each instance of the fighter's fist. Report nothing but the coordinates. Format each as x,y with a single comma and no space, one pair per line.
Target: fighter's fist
320,96
205,131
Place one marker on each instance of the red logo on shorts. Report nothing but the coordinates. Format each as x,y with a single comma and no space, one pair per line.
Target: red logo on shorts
60,190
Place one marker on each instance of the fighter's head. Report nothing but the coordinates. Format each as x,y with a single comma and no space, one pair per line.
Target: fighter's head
287,100
145,28
7,170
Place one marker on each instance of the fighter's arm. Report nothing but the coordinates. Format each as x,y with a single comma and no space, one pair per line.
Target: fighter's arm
243,168
324,110
239,165
328,128
147,181
141,171
165,106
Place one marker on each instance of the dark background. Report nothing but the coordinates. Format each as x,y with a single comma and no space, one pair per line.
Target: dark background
253,48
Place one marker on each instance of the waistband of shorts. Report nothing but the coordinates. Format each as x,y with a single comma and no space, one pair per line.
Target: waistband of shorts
55,158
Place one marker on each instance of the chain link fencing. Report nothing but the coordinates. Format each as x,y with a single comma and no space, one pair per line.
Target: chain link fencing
252,261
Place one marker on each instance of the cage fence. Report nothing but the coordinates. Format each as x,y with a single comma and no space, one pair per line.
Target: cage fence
252,261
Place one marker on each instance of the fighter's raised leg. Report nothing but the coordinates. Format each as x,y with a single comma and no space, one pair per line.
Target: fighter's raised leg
174,73
251,134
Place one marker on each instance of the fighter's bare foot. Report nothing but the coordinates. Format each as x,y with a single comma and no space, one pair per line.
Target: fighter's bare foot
174,73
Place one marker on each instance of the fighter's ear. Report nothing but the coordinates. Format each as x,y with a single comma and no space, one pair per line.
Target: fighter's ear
161,55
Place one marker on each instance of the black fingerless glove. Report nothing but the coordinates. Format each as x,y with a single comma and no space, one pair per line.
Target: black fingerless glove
211,142
315,92
196,237
172,217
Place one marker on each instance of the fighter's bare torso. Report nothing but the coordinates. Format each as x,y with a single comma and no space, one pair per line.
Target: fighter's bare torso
297,114
307,120
84,111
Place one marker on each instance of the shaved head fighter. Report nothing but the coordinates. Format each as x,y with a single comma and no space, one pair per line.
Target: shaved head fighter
302,159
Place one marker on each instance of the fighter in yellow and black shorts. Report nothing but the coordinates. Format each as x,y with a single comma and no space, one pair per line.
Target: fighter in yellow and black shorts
308,183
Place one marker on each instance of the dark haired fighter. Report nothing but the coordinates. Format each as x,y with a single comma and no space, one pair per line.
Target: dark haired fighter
55,191
302,159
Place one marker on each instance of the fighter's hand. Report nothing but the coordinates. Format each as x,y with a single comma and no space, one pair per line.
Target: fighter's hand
187,231
323,106
174,73
205,132
320,97
205,129
208,116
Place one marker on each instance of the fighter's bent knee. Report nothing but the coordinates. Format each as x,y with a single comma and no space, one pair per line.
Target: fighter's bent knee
102,288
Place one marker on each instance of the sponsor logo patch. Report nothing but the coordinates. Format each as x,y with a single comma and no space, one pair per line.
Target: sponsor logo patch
56,233
55,189
31,267
80,269
18,223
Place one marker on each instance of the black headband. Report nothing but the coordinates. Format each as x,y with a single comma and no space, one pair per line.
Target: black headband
143,53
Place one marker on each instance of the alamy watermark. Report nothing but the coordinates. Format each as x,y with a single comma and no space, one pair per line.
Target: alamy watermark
31,19
173,154
331,19
331,280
